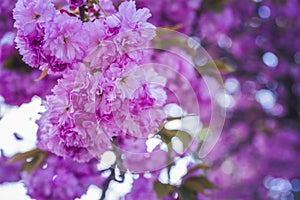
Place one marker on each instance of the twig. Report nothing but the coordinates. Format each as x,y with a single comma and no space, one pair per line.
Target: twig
101,8
119,162
81,12
107,182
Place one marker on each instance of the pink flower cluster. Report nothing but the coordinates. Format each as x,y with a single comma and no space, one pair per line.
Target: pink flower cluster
49,39
62,179
17,80
132,103
32,18
107,90
69,127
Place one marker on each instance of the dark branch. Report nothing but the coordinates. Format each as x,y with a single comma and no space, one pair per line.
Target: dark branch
106,183
81,13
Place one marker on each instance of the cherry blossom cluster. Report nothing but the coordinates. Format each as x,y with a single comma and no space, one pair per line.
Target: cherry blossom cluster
108,98
13,71
60,178
106,90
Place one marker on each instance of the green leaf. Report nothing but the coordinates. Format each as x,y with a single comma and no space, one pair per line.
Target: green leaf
213,69
167,135
37,158
23,156
35,163
214,66
195,168
215,5
186,194
203,134
184,137
167,38
162,189
222,66
15,63
198,184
